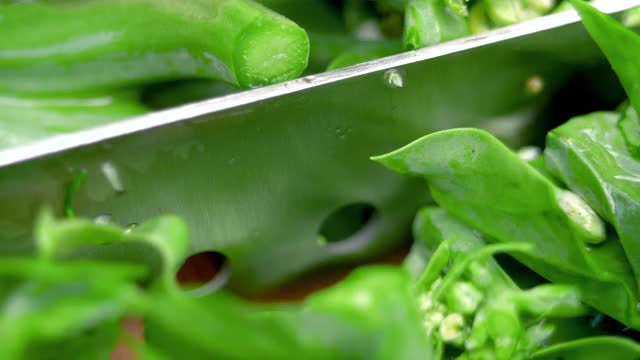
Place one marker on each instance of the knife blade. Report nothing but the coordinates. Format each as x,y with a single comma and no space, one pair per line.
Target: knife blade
257,174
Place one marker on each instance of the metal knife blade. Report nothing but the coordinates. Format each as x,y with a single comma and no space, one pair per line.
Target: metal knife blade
255,174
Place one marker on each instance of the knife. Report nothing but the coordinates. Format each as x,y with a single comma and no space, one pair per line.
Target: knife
278,179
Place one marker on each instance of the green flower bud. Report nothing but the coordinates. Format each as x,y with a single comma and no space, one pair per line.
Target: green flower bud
425,301
584,219
432,321
463,298
452,328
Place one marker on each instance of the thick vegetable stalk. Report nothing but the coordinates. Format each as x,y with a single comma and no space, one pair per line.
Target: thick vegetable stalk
480,181
53,47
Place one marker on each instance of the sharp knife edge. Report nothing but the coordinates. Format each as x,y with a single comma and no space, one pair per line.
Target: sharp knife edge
152,120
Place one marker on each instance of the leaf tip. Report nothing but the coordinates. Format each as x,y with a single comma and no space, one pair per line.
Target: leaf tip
391,161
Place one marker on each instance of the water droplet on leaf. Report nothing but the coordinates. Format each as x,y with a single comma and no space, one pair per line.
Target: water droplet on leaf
102,219
113,177
394,78
130,227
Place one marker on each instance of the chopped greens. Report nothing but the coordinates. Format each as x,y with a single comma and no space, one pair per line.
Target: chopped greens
569,215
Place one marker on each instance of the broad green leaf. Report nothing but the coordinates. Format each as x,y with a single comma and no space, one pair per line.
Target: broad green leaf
372,314
218,326
480,181
93,344
595,348
620,45
629,125
588,153
53,303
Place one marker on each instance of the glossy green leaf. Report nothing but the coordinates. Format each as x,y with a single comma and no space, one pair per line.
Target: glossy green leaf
372,314
589,154
54,302
377,303
480,181
219,326
460,166
629,125
94,344
430,22
604,347
620,45
24,119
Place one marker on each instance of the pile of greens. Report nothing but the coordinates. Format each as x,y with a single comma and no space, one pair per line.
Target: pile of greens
87,63
526,255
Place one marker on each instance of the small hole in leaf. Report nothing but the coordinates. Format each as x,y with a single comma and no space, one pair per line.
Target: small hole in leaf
345,222
204,273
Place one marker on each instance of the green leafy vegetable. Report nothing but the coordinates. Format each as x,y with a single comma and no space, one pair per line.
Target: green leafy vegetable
429,22
480,181
24,119
496,318
87,275
592,348
236,41
629,125
507,12
78,301
588,154
45,303
620,45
